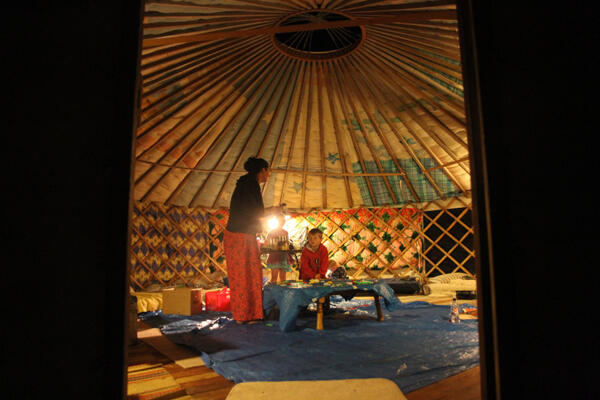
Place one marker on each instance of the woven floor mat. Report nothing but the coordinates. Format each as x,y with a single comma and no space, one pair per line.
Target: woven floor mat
153,382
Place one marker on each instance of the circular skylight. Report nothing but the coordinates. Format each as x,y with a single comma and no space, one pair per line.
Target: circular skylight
318,44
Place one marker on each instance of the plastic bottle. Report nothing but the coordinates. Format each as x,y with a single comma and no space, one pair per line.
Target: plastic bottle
454,317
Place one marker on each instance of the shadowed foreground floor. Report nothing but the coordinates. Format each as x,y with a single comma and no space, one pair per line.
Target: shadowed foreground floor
201,382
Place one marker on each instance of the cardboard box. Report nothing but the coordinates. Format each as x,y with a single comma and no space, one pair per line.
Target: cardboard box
184,301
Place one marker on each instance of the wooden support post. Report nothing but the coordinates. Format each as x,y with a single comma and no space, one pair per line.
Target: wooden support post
320,313
378,307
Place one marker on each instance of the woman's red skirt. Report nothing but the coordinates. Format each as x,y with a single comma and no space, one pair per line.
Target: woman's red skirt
244,272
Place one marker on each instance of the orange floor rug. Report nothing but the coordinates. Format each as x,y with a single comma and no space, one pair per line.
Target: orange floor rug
153,382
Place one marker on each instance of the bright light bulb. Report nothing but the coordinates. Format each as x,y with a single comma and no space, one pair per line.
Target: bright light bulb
272,223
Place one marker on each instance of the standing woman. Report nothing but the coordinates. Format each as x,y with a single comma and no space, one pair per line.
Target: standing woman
244,269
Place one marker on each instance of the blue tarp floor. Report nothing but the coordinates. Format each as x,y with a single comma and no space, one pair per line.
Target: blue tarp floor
415,346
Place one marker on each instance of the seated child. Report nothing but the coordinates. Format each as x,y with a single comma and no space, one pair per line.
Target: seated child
279,263
314,260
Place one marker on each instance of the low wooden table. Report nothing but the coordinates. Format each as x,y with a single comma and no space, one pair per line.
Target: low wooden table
290,299
348,293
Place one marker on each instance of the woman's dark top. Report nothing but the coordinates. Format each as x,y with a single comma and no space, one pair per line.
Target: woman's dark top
246,207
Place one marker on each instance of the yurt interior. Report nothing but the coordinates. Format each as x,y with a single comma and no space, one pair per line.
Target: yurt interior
358,106
441,148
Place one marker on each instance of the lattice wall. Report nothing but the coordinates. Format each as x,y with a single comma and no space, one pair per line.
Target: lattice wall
371,241
177,245
172,244
448,237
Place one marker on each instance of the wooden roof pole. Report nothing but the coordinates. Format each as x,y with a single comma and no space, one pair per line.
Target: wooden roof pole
426,128
337,130
157,52
381,136
160,64
321,134
234,95
406,16
369,145
433,135
332,37
288,74
340,98
282,170
285,119
308,39
373,5
307,133
271,124
269,4
450,109
415,72
160,67
294,128
269,80
403,141
438,121
464,159
285,123
446,45
335,4
195,89
207,83
248,21
441,43
459,140
443,28
423,58
193,66
254,6
435,77
230,98
296,38
416,41
299,5
173,130
339,35
431,153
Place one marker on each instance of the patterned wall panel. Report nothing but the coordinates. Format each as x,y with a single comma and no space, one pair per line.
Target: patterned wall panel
371,241
173,245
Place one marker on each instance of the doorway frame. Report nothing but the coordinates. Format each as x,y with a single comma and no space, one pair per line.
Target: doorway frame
484,264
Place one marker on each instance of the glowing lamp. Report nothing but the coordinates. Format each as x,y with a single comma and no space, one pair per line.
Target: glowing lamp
272,223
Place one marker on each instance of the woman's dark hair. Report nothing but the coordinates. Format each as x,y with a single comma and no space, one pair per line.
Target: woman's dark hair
254,165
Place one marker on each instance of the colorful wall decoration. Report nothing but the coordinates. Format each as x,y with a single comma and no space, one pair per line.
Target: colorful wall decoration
173,245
